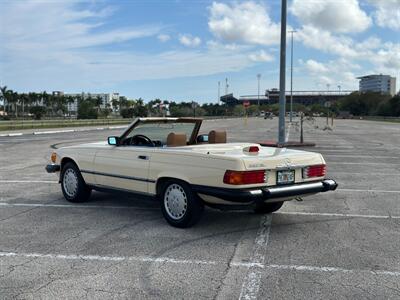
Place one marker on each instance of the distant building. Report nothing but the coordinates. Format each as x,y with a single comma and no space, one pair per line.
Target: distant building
106,98
384,84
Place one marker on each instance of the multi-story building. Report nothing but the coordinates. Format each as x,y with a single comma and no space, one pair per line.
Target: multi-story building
384,84
106,99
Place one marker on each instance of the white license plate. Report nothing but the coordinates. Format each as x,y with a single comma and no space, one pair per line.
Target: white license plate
285,177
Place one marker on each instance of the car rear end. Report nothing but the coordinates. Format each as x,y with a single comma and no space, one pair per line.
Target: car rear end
271,175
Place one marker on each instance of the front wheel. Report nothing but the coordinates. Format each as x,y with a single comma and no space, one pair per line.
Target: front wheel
266,208
180,206
73,186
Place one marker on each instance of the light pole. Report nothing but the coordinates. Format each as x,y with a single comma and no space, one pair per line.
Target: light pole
226,86
258,93
282,74
291,75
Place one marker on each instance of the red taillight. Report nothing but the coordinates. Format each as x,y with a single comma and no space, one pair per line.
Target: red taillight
244,177
251,149
254,149
314,171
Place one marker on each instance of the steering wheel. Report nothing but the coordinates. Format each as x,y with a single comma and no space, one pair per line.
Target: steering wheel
140,139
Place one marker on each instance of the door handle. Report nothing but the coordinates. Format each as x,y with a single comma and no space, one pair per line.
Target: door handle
144,157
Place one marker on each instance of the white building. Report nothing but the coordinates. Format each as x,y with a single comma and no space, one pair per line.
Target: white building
384,84
106,98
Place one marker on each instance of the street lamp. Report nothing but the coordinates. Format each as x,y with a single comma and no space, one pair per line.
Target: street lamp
291,76
258,93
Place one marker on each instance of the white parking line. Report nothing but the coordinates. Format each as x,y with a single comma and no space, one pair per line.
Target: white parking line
252,281
361,156
363,163
6,204
367,191
364,174
288,132
109,258
336,215
170,260
28,181
330,269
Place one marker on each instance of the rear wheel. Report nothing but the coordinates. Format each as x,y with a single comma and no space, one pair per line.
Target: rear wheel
73,185
266,208
180,206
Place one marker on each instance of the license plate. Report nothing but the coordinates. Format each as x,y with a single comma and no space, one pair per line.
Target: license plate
285,177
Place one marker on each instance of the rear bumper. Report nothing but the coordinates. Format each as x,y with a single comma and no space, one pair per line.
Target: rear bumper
265,194
53,168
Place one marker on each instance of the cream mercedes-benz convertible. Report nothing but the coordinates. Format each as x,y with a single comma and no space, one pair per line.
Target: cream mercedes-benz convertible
168,159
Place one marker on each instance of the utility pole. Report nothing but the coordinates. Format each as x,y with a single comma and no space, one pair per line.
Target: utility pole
282,74
340,88
258,93
291,76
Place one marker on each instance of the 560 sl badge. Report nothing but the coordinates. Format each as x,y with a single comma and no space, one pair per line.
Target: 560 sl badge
256,165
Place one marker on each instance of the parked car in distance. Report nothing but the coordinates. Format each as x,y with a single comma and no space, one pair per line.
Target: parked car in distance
168,159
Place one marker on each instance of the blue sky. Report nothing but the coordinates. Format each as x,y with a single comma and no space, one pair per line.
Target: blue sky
179,50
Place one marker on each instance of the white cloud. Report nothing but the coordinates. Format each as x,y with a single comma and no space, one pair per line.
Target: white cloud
315,67
246,22
387,13
260,56
334,72
163,37
35,26
343,16
323,40
189,41
52,46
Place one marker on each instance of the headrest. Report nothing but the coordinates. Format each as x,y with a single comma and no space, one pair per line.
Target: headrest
176,139
216,137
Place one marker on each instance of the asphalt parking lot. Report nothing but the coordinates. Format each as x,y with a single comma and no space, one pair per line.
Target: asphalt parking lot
338,245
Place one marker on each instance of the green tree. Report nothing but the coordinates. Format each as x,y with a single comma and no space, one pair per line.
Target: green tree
87,109
37,111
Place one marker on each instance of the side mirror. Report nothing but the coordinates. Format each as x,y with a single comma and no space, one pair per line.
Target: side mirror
202,138
113,140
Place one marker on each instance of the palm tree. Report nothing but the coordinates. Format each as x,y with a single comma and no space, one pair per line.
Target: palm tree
6,95
98,101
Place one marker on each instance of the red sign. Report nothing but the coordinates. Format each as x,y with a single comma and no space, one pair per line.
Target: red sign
246,103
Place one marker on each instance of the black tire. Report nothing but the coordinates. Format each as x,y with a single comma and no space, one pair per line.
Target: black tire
188,209
74,191
266,208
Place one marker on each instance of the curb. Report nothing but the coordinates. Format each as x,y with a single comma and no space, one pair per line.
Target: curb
61,131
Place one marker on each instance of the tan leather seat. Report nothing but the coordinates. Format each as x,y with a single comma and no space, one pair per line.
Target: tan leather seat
176,139
216,137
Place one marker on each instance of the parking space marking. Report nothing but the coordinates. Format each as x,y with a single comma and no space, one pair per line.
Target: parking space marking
300,213
322,214
288,132
109,258
361,156
365,174
6,204
252,281
330,269
28,181
245,293
363,163
368,191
